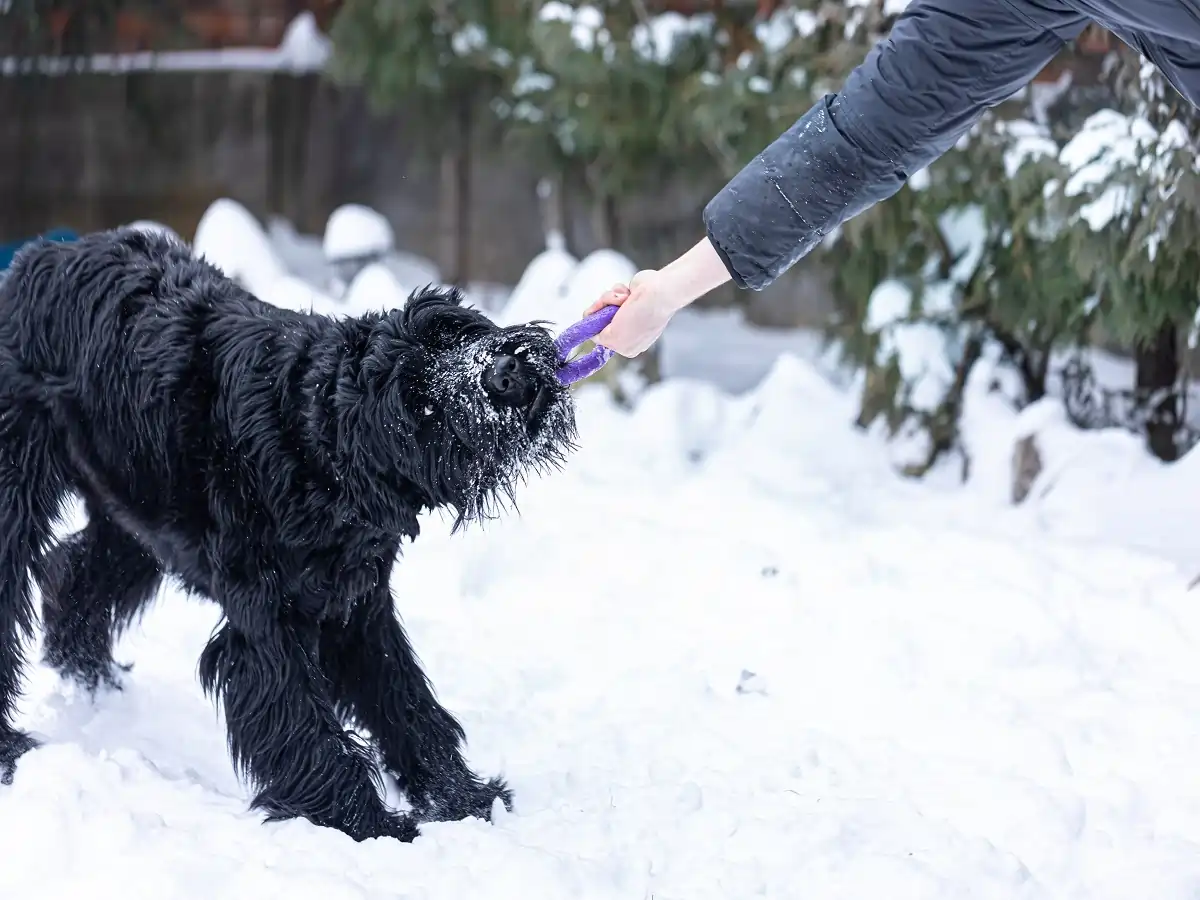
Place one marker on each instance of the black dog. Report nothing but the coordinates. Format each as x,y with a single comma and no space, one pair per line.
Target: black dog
272,461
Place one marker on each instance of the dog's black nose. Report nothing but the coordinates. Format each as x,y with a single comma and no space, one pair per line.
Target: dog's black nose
509,381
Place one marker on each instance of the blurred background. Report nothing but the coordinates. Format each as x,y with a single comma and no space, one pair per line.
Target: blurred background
534,151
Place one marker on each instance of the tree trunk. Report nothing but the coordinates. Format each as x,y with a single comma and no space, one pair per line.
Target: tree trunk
456,197
605,222
552,201
1157,372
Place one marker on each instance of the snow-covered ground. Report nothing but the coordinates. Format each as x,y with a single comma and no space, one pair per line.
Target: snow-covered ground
726,653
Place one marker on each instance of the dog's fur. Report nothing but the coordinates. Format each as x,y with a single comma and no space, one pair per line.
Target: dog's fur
272,461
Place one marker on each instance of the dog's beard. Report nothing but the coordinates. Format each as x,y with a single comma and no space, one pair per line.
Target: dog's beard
489,448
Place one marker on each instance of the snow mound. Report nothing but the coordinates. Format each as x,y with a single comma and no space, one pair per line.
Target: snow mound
354,231
302,254
291,292
539,292
595,274
374,289
230,238
412,271
555,289
678,423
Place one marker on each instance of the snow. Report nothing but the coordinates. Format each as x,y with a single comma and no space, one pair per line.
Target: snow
725,652
470,39
302,49
354,231
538,295
292,270
1108,143
659,38
965,231
922,351
785,25
229,237
595,274
375,288
890,302
586,21
1029,141
803,674
290,292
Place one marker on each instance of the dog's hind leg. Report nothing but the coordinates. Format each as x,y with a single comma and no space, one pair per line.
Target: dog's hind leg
285,736
379,684
94,584
31,492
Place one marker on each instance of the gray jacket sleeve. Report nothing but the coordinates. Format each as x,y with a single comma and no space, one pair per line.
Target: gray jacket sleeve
943,65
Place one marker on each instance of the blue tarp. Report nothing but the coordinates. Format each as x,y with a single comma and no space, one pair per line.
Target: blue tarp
8,251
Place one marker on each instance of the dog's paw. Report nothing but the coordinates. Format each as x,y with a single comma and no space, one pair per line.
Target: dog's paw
114,677
99,678
399,826
472,799
498,789
13,745
404,828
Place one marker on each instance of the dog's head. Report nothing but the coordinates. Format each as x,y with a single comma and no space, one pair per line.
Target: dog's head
466,408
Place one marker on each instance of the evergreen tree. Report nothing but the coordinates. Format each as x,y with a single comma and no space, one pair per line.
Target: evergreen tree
598,96
444,60
598,99
1134,191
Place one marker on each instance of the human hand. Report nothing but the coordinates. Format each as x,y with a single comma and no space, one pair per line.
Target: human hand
646,308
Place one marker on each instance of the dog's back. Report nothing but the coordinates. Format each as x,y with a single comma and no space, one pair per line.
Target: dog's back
133,360
114,304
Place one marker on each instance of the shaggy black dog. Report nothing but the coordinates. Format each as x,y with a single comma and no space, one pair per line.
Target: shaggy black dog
272,461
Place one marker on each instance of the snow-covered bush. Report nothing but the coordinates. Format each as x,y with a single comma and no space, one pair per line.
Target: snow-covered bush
974,262
356,232
229,237
356,237
1131,190
1074,238
598,93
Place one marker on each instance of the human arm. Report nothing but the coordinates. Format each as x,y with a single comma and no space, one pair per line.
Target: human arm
919,90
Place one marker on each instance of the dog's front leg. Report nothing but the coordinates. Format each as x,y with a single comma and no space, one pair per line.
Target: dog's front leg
285,737
378,681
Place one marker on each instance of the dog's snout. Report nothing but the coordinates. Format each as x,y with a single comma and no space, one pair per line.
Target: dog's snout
509,381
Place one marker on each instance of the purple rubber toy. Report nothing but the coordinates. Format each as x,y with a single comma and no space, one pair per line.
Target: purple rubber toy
574,335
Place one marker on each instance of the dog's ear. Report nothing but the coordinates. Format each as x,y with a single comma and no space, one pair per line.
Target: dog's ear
387,349
439,318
